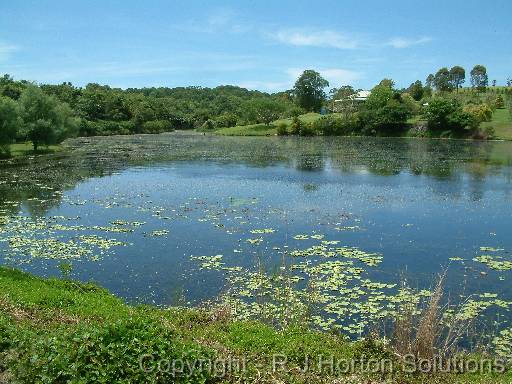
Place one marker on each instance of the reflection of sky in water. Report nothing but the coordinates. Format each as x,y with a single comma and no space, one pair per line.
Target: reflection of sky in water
417,222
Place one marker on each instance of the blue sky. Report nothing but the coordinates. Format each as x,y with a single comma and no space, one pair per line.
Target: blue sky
255,44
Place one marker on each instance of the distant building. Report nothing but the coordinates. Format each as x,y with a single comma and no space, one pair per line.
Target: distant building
341,105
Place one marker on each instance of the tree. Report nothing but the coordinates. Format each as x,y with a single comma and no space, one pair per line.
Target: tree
447,114
265,110
416,90
46,121
479,78
442,80
457,77
429,82
384,110
309,90
9,122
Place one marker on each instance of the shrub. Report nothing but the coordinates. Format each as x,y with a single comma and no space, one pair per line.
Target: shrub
295,126
327,125
226,120
208,125
489,132
481,112
306,129
9,121
282,129
499,103
157,126
108,353
447,114
384,111
106,128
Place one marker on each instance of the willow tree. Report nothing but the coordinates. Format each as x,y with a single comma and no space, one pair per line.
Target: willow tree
46,121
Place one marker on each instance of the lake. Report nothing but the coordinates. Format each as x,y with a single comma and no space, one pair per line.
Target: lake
351,226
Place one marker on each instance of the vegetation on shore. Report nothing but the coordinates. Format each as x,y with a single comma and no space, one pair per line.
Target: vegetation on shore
55,330
46,114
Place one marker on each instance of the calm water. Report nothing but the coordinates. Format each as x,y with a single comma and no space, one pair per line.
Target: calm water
418,203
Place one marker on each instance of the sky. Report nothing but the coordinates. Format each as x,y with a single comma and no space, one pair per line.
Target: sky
262,45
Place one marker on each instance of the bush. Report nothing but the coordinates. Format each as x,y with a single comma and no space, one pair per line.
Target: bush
306,129
106,128
499,103
481,112
282,129
108,353
327,125
208,125
447,115
157,126
489,132
9,122
295,126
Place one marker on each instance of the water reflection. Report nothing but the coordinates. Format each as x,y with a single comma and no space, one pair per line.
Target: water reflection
40,182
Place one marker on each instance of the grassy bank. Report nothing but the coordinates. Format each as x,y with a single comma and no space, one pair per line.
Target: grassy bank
56,331
262,129
27,149
501,122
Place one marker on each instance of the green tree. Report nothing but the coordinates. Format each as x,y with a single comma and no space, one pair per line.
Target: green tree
266,110
11,88
9,122
447,114
309,90
46,121
429,82
457,77
384,110
416,90
479,78
442,80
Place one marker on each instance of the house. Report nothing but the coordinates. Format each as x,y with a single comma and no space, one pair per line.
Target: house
350,101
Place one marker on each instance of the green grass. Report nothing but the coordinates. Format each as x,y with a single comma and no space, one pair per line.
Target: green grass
502,124
262,129
27,149
54,330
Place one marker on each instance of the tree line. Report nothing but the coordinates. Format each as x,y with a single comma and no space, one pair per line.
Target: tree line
434,109
46,114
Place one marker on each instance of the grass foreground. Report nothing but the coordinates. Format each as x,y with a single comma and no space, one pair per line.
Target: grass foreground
62,331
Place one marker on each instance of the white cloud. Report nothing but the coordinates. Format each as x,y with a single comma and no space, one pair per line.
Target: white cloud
326,38
335,76
403,42
6,51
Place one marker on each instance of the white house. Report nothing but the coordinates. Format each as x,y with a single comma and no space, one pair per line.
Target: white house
358,97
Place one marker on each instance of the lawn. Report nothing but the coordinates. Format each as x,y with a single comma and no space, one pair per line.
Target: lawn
262,129
502,124
24,149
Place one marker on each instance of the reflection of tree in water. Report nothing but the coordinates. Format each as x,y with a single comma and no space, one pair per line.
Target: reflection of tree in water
39,182
309,162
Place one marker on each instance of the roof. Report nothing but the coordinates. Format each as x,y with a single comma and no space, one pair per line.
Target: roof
359,96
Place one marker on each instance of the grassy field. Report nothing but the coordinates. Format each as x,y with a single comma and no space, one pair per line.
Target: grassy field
25,149
64,331
264,130
502,124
